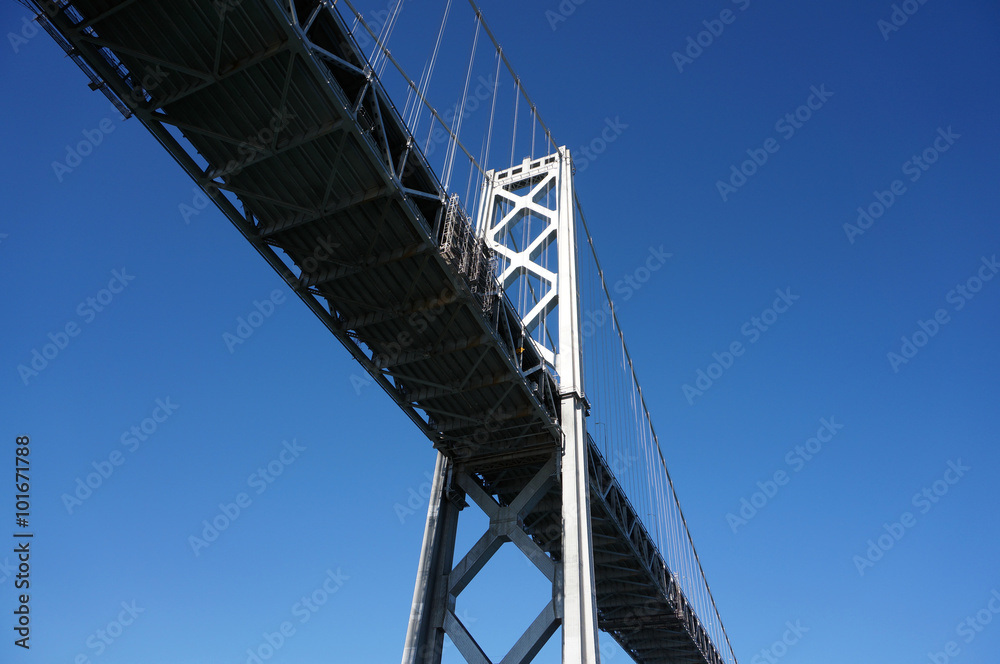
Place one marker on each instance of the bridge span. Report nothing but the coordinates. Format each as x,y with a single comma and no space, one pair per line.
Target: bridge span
275,111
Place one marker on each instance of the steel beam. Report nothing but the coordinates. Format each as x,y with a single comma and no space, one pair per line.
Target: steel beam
433,614
386,258
344,205
419,354
425,631
579,599
374,138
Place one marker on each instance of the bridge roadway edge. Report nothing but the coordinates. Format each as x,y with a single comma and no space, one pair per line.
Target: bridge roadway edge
663,628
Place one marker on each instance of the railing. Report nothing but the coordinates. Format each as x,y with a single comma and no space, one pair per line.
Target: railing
469,254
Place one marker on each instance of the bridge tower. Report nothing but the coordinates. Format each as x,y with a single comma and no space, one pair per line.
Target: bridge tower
527,217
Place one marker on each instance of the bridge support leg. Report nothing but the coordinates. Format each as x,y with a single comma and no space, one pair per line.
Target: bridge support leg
425,632
580,603
542,191
579,599
438,584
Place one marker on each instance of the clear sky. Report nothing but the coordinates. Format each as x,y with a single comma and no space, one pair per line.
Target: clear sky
890,343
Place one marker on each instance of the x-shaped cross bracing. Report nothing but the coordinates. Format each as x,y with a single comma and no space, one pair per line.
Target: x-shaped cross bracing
523,262
505,526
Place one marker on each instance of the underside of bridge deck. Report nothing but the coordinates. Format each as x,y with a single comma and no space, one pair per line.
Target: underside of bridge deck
273,110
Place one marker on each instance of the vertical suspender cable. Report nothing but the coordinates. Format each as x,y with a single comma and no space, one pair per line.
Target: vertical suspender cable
634,391
489,132
534,123
517,103
457,124
414,99
493,108
383,39
468,184
430,71
510,68
663,462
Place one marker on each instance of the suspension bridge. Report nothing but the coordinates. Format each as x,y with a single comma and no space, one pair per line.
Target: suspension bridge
457,279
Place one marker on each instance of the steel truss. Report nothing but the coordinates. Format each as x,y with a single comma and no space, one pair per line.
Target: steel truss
509,198
291,72
439,584
563,481
272,108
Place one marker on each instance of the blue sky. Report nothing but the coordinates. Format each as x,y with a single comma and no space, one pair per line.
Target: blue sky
339,512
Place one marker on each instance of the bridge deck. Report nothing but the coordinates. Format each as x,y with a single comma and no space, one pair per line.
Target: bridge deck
274,111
